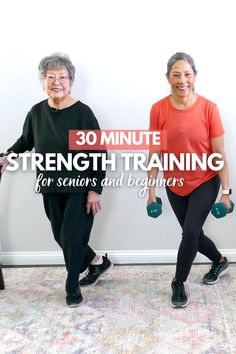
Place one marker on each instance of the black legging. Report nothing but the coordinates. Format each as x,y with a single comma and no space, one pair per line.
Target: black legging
191,212
71,227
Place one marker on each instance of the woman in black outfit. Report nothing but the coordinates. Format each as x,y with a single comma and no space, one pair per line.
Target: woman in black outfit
71,209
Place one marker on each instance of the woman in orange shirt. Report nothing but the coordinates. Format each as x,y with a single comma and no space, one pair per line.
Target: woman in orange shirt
193,126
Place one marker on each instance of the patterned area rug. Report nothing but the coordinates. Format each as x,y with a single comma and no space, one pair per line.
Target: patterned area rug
127,312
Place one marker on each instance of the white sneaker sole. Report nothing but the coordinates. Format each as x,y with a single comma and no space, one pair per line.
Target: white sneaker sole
180,306
72,306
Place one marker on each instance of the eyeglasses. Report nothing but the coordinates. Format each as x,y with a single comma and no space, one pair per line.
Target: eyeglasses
63,79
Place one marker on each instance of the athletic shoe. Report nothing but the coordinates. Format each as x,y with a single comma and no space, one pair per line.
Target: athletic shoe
179,297
94,272
217,270
74,299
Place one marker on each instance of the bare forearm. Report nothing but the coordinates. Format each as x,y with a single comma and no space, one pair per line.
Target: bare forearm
224,175
152,175
218,147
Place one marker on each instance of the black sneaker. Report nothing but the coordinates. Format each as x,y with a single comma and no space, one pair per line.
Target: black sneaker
74,299
217,270
179,297
94,272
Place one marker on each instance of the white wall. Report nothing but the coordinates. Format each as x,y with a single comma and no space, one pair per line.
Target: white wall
120,49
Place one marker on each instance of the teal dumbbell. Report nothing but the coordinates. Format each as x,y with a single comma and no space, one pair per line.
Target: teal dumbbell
155,209
219,210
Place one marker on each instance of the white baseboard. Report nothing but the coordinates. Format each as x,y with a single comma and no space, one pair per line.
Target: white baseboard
117,257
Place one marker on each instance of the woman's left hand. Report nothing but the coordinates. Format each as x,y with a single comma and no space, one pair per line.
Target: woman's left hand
93,202
226,200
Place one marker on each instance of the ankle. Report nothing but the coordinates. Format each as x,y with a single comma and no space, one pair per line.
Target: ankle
97,260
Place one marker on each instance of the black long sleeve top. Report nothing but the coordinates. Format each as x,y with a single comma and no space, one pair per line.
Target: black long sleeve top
47,130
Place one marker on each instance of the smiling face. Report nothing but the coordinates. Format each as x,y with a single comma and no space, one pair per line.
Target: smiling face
182,79
57,84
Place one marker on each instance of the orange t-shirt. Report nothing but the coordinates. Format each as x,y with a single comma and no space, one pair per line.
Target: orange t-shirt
188,131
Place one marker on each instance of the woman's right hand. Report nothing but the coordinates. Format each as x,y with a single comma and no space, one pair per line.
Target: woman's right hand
3,163
151,200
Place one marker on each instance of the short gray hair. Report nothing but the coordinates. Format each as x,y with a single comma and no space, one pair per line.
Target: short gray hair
56,60
180,56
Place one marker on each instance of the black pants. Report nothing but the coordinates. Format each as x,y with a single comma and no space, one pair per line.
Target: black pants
71,227
191,212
